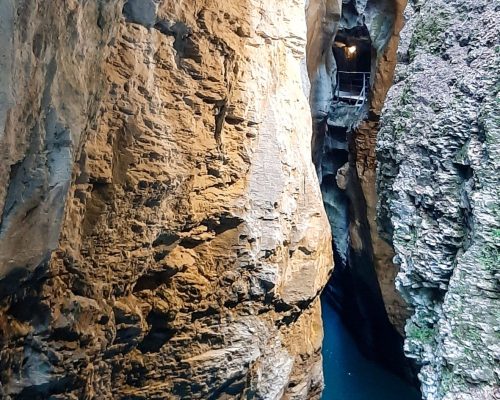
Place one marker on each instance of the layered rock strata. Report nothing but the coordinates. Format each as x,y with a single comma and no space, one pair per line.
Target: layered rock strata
162,231
438,153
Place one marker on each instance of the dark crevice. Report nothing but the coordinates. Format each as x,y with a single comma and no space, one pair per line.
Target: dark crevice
159,333
232,387
154,279
165,239
223,223
64,335
353,289
220,117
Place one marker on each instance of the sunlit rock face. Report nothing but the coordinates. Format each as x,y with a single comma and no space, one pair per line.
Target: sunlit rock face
162,233
438,153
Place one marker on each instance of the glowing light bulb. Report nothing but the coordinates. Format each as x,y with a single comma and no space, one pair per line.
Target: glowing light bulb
351,50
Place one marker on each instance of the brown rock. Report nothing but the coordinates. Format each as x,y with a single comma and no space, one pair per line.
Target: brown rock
192,244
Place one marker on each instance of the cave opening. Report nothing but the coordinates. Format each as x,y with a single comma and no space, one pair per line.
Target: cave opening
352,51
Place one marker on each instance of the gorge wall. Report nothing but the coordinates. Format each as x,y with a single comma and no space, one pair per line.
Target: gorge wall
438,152
437,186
344,136
162,233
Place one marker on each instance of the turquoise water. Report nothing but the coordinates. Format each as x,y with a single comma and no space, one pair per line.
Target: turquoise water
349,375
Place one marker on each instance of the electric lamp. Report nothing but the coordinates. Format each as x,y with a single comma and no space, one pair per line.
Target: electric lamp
351,50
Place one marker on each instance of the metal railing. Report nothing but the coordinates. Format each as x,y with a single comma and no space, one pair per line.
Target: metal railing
352,87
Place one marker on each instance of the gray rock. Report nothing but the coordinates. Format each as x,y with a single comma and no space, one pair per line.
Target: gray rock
438,182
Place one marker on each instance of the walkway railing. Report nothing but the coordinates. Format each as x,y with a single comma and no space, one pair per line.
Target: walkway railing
352,87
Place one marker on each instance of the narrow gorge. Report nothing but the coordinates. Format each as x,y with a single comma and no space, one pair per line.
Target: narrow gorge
289,199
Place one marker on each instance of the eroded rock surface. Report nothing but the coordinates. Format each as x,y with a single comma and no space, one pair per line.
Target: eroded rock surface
172,146
439,186
51,84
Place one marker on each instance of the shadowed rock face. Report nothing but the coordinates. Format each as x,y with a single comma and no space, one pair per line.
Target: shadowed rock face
323,18
344,138
162,232
438,153
51,83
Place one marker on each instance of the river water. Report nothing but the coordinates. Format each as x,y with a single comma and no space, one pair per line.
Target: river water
348,374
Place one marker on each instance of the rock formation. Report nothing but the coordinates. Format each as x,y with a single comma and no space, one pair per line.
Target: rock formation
162,233
438,153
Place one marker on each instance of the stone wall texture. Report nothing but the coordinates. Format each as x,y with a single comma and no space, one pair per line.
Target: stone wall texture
438,182
162,233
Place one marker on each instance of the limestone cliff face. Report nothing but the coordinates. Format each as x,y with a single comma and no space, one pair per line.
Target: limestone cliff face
162,233
385,21
438,153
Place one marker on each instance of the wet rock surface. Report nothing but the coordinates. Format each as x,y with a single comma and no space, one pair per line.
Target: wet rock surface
438,180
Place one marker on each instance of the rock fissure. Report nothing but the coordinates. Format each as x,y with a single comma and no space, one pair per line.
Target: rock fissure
350,84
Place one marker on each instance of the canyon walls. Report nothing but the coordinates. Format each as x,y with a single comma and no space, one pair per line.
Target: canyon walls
384,34
344,137
162,233
438,182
